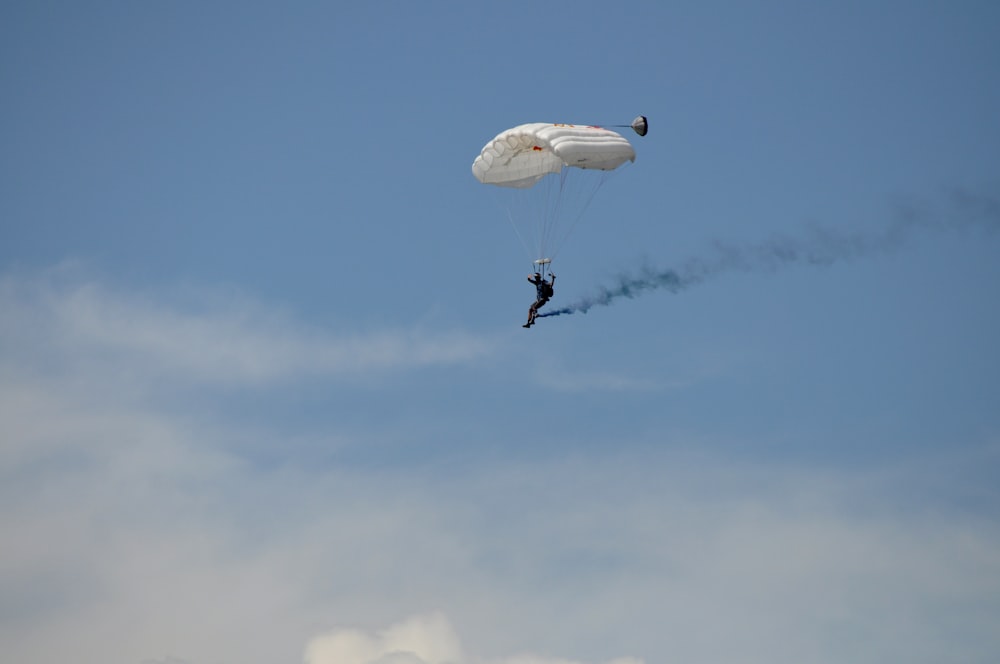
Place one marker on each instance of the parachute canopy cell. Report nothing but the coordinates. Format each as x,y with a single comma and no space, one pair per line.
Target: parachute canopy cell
523,155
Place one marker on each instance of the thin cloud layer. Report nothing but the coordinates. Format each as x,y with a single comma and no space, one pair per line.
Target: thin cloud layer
227,341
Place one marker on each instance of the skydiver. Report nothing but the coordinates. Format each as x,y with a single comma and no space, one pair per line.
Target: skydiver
543,291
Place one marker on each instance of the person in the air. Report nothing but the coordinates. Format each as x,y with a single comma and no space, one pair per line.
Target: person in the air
543,291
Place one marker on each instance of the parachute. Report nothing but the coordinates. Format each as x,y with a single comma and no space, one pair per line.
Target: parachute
550,173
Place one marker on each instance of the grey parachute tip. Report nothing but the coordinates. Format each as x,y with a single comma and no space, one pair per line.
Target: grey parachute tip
640,126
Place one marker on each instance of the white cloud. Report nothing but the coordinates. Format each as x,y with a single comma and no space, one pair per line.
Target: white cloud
229,340
421,639
424,639
150,542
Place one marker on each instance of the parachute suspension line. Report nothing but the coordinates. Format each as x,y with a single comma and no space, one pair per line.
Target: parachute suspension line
554,189
565,185
543,216
566,197
517,231
544,201
575,220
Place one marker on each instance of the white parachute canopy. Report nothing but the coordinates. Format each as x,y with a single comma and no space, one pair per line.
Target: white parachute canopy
521,156
562,164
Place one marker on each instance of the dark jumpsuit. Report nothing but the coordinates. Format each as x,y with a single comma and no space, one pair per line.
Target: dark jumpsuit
543,291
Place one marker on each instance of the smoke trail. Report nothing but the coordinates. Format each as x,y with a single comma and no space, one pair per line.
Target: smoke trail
817,246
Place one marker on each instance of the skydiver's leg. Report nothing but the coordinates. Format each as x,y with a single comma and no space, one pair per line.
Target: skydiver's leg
538,305
533,311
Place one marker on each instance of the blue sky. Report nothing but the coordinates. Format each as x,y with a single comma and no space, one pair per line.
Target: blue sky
265,395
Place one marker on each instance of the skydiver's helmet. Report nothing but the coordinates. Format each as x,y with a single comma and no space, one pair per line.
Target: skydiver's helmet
536,277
